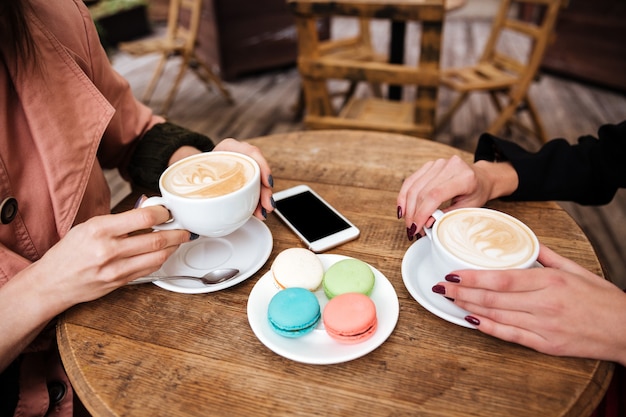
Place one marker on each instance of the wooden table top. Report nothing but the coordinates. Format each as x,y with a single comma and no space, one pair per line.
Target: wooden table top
145,351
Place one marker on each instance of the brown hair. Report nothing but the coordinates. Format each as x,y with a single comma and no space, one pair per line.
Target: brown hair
16,41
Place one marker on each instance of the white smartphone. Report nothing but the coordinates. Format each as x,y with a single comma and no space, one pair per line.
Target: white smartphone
317,223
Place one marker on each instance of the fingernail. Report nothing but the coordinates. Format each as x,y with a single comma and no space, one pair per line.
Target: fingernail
448,298
270,180
472,320
193,236
439,289
410,231
139,200
453,278
264,212
273,202
399,212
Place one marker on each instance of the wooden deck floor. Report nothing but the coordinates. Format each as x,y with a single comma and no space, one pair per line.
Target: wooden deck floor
264,105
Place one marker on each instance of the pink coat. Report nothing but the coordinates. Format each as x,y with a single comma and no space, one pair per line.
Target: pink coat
58,129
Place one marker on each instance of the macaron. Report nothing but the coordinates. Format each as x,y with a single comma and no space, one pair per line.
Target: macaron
293,312
348,275
350,318
297,267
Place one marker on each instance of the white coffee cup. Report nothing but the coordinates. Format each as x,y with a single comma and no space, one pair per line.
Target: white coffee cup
211,194
480,238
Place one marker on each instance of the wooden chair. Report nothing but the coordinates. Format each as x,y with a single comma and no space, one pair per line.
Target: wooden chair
356,48
506,77
180,40
359,48
320,62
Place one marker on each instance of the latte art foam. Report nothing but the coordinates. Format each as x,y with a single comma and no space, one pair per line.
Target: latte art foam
209,177
488,240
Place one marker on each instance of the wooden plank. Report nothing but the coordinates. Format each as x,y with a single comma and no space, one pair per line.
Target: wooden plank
429,10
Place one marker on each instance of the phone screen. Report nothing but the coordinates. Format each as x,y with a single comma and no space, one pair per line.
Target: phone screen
313,219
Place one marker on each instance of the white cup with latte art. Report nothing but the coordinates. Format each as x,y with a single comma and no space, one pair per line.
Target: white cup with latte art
211,194
480,238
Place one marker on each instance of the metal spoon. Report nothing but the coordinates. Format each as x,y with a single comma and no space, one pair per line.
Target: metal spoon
210,278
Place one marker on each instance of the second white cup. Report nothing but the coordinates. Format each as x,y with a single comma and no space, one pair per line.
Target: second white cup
480,238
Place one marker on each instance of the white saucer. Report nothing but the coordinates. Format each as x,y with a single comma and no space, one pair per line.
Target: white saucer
317,347
419,280
246,249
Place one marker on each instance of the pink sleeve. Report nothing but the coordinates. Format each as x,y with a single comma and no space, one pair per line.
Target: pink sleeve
132,119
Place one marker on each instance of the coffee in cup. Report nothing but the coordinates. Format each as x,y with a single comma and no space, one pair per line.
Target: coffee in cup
480,238
211,194
213,175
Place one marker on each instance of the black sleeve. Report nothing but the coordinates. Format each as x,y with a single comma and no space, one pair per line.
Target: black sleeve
155,148
589,172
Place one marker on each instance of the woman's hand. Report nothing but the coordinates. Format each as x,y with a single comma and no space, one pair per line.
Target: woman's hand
266,203
104,253
91,260
561,309
451,179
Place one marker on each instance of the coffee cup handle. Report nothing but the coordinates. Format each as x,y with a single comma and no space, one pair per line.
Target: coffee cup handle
171,224
436,215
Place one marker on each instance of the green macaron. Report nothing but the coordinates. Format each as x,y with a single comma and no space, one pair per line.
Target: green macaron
348,275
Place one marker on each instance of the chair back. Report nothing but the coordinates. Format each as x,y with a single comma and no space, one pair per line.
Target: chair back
317,66
508,74
183,22
530,19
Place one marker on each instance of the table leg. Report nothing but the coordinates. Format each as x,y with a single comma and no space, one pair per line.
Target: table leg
396,54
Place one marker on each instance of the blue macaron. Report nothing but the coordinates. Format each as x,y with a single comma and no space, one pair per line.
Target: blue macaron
293,312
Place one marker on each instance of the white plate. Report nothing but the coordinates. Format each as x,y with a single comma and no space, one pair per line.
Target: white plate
419,280
246,249
317,347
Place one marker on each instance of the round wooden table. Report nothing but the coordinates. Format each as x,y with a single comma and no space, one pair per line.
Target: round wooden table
145,351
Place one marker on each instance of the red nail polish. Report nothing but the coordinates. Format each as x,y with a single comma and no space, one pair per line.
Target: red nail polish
410,231
453,278
472,320
439,289
399,212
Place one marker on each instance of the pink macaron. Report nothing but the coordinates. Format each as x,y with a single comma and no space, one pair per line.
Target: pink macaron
350,318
